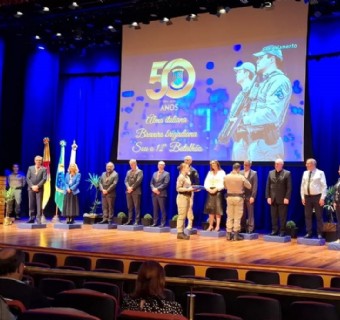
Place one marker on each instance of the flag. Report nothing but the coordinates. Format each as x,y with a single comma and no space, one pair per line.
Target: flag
60,178
46,164
73,152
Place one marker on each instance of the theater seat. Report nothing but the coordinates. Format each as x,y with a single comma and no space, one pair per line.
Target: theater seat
97,304
215,273
50,287
309,281
312,310
112,264
47,258
213,316
78,261
56,314
15,306
128,314
263,277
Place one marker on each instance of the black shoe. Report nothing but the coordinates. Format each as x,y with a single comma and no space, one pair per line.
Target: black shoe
68,222
274,233
71,221
237,237
128,222
31,220
182,236
228,236
308,236
320,236
104,221
282,234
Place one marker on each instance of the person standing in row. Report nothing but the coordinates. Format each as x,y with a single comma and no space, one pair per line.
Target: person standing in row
133,184
183,200
278,192
159,187
249,198
36,177
313,193
336,205
235,183
195,180
17,181
71,202
107,186
213,184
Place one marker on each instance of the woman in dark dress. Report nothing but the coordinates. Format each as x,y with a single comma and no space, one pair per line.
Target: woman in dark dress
149,292
71,203
213,184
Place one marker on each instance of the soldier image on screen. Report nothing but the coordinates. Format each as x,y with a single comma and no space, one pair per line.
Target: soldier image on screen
262,113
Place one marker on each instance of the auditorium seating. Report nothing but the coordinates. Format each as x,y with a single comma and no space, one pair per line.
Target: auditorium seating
212,316
263,277
134,266
112,264
206,302
309,281
335,282
104,287
258,308
46,258
215,273
78,261
129,314
311,310
56,314
15,306
98,304
50,287
177,270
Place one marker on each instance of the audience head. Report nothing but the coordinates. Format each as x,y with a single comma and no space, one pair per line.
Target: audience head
12,263
150,280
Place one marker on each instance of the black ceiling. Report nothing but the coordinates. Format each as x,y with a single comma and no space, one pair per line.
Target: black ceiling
87,25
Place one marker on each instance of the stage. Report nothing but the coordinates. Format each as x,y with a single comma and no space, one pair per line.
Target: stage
202,252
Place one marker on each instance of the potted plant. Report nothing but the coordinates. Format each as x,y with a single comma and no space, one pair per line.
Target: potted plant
92,216
9,197
121,218
291,229
173,221
329,226
147,220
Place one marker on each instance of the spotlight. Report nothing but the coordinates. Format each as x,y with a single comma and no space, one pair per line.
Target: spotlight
111,28
74,5
222,10
268,4
58,34
45,9
167,21
40,47
191,17
37,37
135,25
19,14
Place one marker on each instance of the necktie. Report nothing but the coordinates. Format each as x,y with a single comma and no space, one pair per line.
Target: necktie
308,184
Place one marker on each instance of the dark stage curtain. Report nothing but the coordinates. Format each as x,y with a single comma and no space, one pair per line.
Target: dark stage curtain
77,97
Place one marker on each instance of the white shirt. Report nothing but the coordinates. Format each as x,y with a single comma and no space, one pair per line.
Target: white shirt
317,184
214,180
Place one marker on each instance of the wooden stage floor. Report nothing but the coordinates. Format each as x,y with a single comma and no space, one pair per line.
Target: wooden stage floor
164,247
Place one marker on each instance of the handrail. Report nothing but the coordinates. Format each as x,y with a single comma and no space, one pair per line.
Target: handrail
192,283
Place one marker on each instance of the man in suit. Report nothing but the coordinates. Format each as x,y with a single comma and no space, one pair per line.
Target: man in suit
35,178
133,184
249,197
159,185
11,286
107,186
278,192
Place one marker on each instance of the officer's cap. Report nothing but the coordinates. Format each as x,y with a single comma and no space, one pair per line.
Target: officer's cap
273,50
246,66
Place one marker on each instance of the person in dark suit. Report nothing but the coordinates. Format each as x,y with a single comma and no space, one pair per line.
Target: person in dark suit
133,182
107,186
249,197
36,177
71,202
159,186
11,286
278,192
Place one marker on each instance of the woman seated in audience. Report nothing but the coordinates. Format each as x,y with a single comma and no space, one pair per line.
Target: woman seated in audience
149,295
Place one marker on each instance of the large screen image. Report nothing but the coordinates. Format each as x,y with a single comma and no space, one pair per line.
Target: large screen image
228,88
